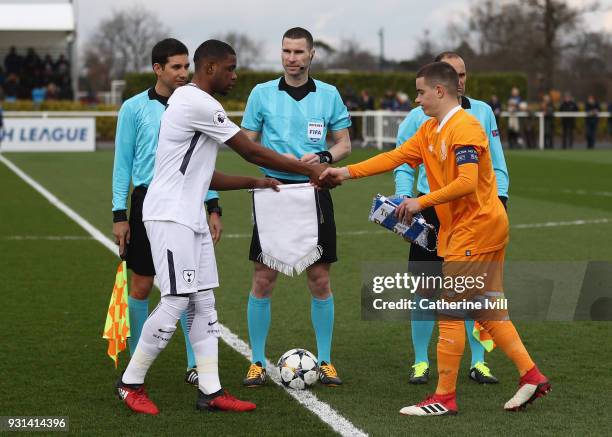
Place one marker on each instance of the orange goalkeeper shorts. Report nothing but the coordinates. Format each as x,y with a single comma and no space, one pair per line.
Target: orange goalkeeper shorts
474,287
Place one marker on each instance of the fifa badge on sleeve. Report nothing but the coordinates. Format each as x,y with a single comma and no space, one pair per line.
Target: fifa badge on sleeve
418,231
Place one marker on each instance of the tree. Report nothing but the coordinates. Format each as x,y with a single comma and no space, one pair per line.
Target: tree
247,49
530,35
122,43
426,50
324,55
351,56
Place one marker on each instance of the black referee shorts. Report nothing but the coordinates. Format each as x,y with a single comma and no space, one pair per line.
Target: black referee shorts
327,227
421,260
139,258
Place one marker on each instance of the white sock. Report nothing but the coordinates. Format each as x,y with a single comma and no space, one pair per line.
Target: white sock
156,333
204,334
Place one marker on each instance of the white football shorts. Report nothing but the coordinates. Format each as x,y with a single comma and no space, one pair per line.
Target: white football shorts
184,260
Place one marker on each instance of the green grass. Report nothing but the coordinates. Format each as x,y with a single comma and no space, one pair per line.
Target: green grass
56,293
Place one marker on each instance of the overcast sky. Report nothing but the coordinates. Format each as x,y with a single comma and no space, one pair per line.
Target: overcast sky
404,21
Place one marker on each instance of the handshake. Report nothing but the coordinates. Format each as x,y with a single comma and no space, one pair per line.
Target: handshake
325,177
321,175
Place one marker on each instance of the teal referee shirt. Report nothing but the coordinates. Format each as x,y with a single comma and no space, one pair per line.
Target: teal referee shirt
404,174
296,126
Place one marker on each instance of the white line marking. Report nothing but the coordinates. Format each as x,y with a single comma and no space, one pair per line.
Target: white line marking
47,237
307,399
570,191
567,223
91,230
519,226
339,234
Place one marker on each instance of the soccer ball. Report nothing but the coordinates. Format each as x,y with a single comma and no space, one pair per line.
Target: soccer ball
298,369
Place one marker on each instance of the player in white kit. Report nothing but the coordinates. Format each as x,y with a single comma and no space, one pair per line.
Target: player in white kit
192,128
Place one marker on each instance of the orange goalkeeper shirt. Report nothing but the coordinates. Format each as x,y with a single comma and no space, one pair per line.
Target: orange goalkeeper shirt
460,174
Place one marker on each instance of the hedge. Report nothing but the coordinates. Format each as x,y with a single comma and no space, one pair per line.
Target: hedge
480,85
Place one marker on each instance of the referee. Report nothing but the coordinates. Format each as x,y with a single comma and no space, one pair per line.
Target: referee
293,115
428,263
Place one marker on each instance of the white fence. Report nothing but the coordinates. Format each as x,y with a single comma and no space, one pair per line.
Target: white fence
378,128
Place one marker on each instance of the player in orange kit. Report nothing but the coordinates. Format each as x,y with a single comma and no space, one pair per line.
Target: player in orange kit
473,233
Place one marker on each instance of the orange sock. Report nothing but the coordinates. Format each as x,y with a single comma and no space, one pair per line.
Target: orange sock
450,349
505,336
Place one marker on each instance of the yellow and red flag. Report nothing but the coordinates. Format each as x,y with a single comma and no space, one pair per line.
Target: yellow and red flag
117,328
483,337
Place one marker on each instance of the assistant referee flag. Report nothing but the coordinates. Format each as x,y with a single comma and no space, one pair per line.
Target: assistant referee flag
117,328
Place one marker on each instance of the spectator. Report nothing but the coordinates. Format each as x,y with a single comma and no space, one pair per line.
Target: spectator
402,102
527,124
496,107
52,92
31,63
62,66
388,102
610,119
48,70
515,95
29,77
568,123
12,62
38,95
65,88
513,125
366,101
591,107
11,88
1,121
47,63
547,107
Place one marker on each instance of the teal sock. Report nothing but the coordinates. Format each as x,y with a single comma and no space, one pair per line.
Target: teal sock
191,362
139,311
322,315
258,317
478,350
422,324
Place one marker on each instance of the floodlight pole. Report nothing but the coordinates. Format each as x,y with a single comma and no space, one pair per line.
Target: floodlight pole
74,61
381,38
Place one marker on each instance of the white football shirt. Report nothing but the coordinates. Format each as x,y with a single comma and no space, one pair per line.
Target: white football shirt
192,127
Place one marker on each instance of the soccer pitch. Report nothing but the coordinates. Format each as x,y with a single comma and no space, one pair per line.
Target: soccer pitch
56,281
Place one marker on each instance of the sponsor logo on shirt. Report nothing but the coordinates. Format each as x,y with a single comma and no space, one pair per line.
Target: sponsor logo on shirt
315,130
495,133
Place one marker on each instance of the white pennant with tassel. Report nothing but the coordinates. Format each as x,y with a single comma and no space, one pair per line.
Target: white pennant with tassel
287,225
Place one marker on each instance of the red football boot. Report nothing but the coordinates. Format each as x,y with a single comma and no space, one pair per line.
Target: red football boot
136,398
222,401
433,405
532,385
